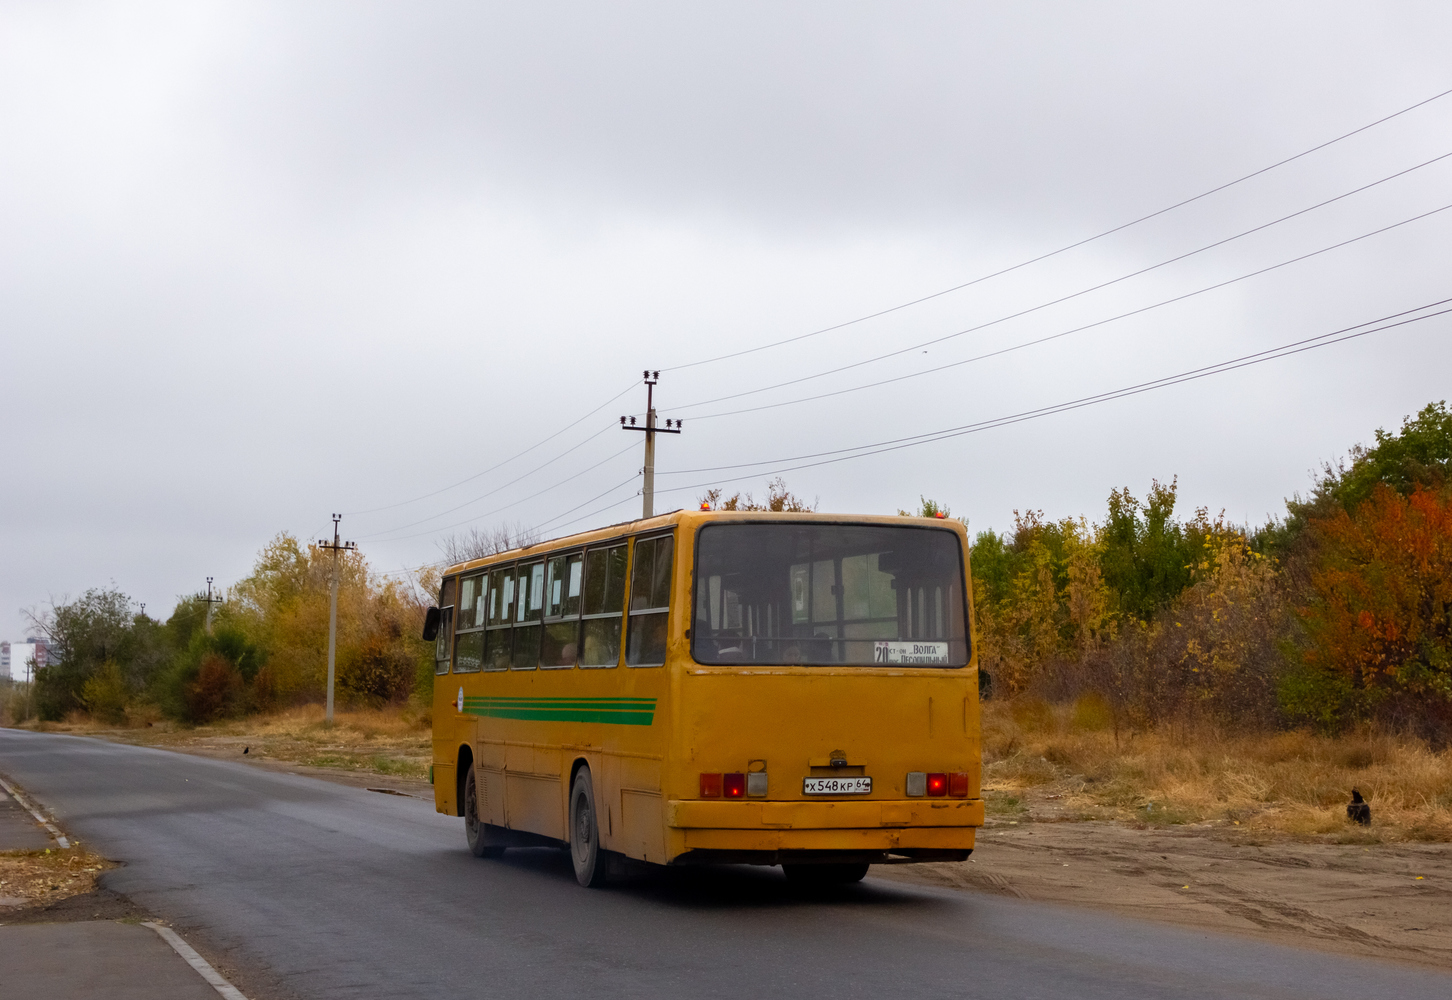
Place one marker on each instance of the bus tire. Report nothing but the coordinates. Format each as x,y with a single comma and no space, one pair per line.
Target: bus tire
591,865
811,875
474,831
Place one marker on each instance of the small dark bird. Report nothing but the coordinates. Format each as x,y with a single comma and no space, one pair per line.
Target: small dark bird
1357,810
245,749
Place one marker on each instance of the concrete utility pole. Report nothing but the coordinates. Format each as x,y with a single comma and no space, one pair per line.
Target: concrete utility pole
651,430
333,606
210,601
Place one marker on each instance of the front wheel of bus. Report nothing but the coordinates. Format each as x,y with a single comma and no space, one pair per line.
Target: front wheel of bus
591,866
474,830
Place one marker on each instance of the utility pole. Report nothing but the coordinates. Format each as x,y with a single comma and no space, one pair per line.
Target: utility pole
651,430
336,547
210,601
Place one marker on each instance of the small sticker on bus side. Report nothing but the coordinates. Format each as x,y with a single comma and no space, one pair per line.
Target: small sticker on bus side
930,654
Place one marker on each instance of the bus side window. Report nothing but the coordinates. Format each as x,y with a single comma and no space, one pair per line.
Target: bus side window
498,619
561,643
603,603
469,617
650,600
443,643
529,609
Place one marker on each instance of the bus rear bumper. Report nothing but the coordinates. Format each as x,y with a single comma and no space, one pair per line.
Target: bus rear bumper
896,830
894,814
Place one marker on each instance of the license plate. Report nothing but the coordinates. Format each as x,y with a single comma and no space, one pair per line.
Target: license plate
836,786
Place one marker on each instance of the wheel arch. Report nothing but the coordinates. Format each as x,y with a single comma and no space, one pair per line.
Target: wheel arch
461,774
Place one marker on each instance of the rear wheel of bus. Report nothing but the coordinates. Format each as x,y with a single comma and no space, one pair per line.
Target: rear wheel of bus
591,865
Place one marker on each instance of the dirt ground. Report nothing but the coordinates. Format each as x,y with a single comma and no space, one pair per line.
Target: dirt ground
1384,900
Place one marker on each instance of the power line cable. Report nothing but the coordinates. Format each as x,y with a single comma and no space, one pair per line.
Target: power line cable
598,511
1064,249
1258,357
597,496
1078,329
1270,354
482,496
1338,336
1064,298
512,503
498,465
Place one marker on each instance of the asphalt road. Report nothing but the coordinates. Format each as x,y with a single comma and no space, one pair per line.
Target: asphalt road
303,887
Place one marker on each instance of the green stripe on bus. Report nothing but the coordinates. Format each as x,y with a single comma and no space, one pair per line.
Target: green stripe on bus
615,711
633,704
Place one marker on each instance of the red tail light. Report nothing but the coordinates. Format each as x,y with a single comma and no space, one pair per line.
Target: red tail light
710,786
958,785
733,786
937,784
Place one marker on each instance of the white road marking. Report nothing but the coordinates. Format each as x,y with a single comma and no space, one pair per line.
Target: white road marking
203,967
60,838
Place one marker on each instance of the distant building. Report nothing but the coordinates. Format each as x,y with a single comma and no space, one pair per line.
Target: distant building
20,660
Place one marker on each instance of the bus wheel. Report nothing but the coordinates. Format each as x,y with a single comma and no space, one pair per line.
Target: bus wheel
473,829
824,874
591,866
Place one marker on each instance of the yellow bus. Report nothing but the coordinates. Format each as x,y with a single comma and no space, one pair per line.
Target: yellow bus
714,687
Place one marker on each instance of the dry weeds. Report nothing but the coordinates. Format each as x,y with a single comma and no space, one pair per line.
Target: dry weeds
1065,762
391,741
42,877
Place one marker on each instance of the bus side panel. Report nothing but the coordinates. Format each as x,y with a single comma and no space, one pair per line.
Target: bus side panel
446,753
489,758
642,810
444,787
643,825
532,803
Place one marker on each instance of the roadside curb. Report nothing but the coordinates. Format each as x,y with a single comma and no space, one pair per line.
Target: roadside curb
30,807
197,962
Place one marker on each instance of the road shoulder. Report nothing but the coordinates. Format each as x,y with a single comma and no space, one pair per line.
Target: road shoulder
1390,901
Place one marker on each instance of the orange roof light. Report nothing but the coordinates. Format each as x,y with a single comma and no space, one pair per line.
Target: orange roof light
705,505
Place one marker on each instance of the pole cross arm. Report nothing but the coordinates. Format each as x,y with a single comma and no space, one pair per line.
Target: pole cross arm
657,430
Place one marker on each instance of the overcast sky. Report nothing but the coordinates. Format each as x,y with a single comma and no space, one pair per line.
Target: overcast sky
264,262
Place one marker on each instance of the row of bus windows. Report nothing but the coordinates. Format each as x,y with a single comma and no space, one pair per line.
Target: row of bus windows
564,610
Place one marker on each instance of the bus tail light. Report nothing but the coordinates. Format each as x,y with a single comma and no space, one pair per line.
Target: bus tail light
710,786
937,784
733,785
958,785
917,783
756,784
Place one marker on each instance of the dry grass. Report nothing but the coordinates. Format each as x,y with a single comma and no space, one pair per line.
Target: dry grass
390,741
1064,762
30,877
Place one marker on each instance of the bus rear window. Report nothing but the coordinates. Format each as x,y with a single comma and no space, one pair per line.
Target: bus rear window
851,595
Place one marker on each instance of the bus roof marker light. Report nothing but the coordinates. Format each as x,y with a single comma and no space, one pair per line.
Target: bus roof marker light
733,785
917,783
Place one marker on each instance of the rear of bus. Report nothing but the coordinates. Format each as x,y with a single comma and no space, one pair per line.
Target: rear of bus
827,711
